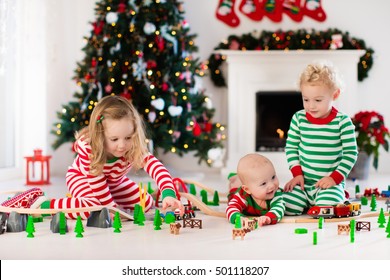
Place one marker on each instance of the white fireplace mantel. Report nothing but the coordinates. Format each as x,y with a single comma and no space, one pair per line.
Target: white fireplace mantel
252,71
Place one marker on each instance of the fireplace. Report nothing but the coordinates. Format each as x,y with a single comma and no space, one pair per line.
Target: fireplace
274,110
250,72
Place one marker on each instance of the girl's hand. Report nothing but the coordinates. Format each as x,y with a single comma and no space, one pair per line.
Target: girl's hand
325,183
296,181
173,203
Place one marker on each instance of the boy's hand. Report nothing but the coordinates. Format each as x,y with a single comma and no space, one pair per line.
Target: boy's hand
325,183
173,203
296,181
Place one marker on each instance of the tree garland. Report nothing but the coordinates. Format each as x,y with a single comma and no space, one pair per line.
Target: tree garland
300,39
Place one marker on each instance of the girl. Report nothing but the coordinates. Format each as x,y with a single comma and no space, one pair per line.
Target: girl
113,143
321,145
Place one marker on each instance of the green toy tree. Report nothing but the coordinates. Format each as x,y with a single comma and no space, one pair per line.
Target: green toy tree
352,225
216,198
117,224
388,228
237,221
381,219
373,203
203,194
192,189
30,228
143,51
157,220
136,211
62,223
79,228
141,217
169,218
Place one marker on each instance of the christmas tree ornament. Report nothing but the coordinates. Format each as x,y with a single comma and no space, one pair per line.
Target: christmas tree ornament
111,17
313,9
108,88
196,130
121,7
167,36
175,111
98,27
149,28
158,103
225,13
176,135
253,9
152,116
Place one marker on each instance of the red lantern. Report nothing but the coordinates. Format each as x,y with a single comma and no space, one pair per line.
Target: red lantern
44,163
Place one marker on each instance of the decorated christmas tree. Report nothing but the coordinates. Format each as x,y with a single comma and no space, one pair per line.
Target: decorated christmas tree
143,51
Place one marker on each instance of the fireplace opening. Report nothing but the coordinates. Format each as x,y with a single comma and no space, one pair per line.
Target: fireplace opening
274,110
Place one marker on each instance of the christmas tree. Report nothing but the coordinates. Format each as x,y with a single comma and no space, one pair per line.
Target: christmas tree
142,50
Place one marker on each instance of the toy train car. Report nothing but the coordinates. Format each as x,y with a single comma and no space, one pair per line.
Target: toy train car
370,192
341,210
385,193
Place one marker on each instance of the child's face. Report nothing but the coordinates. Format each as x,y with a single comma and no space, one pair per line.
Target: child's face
117,136
318,100
263,184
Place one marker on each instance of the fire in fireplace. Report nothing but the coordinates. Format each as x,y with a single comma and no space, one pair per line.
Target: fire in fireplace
274,110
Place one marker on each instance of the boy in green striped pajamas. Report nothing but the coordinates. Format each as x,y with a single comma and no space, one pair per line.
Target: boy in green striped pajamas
321,144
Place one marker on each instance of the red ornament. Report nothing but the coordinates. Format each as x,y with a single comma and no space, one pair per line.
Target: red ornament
98,27
196,131
121,8
93,62
165,87
151,64
208,127
160,43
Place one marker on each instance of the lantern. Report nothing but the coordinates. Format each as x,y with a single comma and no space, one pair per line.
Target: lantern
37,160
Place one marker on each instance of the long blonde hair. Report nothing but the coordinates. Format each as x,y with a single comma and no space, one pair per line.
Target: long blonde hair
321,73
116,108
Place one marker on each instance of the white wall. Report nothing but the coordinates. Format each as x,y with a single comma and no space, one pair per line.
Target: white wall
67,23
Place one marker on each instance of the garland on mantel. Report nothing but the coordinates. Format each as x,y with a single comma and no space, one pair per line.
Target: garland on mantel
300,39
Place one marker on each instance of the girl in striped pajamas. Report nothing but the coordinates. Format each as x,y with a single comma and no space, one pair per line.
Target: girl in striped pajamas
321,144
111,145
259,193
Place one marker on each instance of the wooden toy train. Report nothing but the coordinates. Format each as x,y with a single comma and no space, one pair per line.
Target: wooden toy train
341,210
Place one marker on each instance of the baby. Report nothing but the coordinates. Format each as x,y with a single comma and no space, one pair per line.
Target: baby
259,193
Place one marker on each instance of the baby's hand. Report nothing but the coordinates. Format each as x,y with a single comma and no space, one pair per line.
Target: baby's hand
173,203
325,183
263,220
298,180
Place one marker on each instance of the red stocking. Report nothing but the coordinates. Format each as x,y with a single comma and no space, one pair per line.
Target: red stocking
313,9
225,12
252,9
273,9
293,9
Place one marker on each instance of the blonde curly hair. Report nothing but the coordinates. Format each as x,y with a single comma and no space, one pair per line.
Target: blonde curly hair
321,73
116,108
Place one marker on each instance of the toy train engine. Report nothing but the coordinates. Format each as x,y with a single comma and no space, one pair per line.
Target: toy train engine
341,210
370,192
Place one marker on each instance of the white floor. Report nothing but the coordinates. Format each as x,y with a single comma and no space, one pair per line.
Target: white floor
213,241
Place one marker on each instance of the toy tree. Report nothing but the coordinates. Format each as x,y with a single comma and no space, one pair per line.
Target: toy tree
170,218
352,224
357,189
117,224
62,223
388,228
30,228
216,198
141,217
237,221
203,194
79,228
136,211
381,219
150,190
373,203
157,220
192,189
143,51
320,222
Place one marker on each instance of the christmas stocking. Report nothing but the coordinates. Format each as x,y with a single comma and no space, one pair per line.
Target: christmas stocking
313,9
273,9
252,9
293,9
225,12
